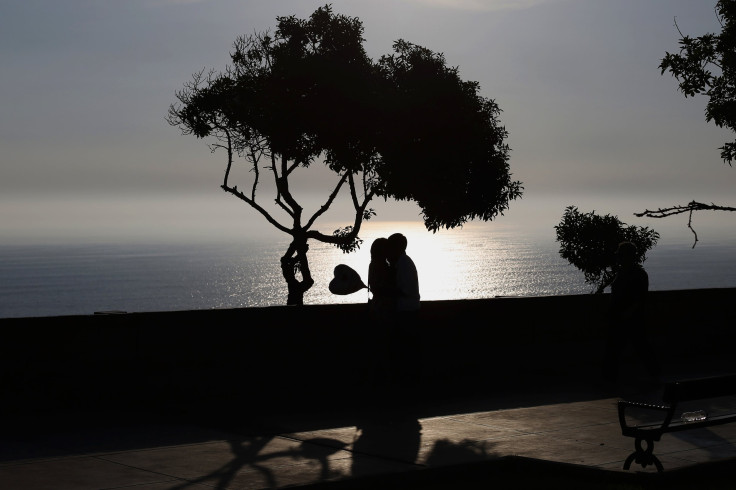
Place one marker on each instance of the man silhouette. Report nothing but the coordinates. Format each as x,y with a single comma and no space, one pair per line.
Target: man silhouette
406,351
627,315
407,280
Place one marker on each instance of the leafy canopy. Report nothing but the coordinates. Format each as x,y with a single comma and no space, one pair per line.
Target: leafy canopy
408,124
589,241
441,143
707,65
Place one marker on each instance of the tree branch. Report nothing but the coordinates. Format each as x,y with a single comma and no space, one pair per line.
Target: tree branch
688,208
358,221
367,197
276,179
332,239
678,28
229,158
234,191
293,167
255,158
329,201
282,184
353,194
691,206
690,225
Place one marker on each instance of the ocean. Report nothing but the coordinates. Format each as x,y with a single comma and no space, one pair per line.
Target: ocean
475,262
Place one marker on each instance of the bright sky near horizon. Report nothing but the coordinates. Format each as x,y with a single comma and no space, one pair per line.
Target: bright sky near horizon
87,154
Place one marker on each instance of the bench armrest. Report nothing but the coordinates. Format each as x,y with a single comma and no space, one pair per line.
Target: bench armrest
631,430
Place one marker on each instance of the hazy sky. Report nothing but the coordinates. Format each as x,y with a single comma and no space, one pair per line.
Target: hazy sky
86,152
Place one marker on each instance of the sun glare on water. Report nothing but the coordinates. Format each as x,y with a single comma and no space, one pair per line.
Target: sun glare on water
466,263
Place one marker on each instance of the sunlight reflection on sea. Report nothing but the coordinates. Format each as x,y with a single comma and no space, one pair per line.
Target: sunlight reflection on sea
463,264
477,261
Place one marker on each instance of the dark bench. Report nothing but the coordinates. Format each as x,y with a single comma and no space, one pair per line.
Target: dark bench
674,393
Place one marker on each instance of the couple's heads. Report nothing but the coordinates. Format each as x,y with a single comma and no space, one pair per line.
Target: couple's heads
397,243
389,248
379,248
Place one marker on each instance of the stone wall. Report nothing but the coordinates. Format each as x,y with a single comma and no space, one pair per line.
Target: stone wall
272,357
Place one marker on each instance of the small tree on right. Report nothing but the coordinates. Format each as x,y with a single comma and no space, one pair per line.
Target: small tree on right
589,241
706,65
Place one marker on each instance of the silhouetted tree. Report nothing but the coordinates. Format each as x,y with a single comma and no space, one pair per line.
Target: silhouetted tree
441,143
589,241
405,127
707,65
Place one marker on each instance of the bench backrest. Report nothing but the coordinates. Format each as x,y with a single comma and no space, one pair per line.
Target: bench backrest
699,388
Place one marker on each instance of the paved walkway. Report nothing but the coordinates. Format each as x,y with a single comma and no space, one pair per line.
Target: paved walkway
572,426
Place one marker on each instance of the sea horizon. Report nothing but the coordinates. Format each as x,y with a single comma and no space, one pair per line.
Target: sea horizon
476,262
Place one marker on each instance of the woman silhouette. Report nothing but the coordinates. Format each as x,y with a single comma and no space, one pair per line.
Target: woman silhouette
381,308
381,282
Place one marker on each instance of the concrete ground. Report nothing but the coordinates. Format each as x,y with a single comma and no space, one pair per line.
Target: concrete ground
550,431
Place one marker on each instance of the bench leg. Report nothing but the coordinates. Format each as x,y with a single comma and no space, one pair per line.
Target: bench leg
629,460
644,457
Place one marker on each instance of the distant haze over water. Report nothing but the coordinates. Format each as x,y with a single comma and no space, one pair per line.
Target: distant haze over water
475,262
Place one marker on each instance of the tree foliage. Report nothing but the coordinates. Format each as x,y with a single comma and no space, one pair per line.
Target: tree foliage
442,128
706,65
589,241
404,127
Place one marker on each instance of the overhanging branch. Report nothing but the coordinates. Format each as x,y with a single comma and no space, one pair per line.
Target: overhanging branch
691,206
680,209
234,191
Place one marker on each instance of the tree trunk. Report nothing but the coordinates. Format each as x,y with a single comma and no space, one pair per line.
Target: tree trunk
295,261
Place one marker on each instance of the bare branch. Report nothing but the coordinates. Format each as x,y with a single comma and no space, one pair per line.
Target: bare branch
275,173
691,206
690,225
329,201
359,216
688,208
353,194
293,167
229,158
282,185
234,191
678,28
331,239
276,179
367,197
255,158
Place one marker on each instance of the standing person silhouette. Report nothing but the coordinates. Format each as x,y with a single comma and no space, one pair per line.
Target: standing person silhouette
381,282
627,319
381,310
406,352
407,280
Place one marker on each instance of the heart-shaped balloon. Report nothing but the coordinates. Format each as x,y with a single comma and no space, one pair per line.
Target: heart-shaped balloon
346,281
